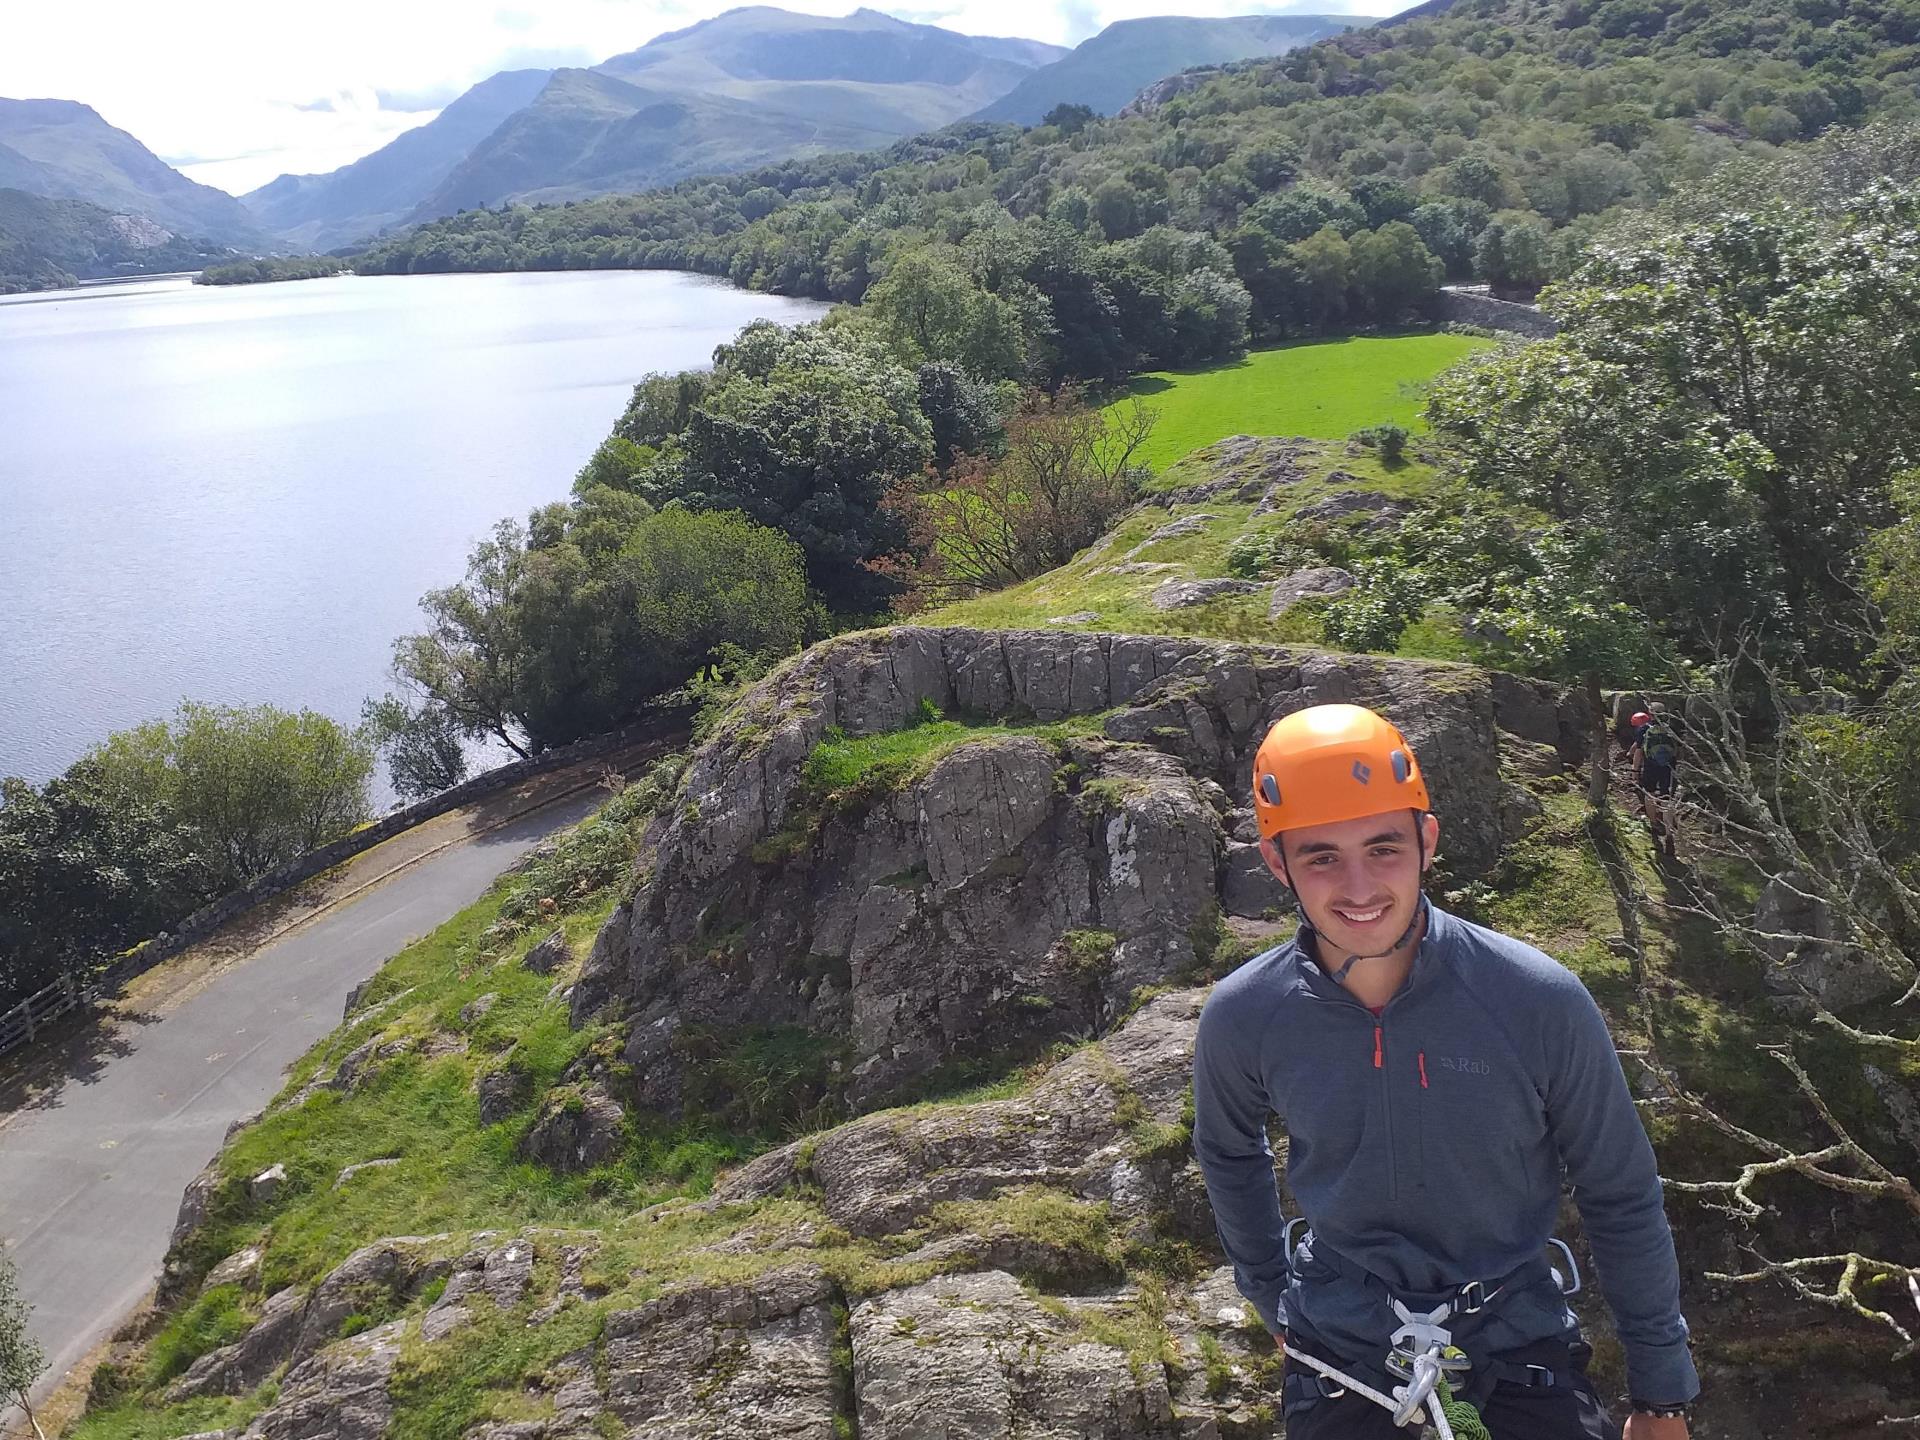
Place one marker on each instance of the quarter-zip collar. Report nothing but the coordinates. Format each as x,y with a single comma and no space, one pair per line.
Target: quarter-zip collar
1425,962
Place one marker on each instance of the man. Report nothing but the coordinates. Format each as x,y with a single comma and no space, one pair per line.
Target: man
1656,753
1435,1080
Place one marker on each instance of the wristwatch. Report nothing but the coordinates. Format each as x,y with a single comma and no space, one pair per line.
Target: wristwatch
1681,1411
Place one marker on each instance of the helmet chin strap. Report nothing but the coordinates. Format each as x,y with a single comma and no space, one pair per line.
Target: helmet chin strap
1339,977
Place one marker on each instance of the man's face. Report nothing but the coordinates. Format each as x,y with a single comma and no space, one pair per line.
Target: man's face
1358,880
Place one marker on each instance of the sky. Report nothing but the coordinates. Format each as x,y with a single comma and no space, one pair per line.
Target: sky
233,92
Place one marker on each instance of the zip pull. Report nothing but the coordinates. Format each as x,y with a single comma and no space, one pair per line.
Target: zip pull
1423,1069
1378,1061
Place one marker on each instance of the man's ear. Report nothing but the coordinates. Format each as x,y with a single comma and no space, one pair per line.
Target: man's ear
1270,852
1430,835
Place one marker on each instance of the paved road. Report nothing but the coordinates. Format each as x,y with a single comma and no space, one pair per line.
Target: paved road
90,1178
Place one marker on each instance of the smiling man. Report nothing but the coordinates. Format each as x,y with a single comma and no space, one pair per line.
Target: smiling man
1437,1081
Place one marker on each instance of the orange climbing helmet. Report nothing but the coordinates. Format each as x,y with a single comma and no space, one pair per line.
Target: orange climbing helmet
1330,763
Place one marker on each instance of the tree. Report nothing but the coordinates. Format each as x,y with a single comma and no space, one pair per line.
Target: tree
1067,471
258,786
616,464
1326,268
1069,119
467,661
1117,209
929,308
22,1361
963,414
705,586
1512,255
660,407
87,868
1726,405
421,744
1393,272
804,431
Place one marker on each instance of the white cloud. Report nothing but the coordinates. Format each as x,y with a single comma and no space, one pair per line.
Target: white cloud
235,93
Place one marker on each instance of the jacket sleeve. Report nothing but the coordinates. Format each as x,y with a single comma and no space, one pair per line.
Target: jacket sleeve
1230,1110
1616,1184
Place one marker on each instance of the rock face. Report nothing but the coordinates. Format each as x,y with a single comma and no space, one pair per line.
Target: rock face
577,1130
1809,958
294,1327
1072,1132
713,1361
339,1395
927,921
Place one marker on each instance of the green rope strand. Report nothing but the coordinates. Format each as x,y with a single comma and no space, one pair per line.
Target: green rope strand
1465,1420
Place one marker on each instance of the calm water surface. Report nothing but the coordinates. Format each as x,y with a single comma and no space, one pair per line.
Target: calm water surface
239,495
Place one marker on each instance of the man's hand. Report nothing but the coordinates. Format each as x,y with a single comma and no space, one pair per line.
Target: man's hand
1655,1427
1280,1345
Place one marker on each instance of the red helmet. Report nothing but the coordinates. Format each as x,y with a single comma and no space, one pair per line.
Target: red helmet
1640,717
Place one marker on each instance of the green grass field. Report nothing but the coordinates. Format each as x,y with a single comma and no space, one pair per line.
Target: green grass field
1323,390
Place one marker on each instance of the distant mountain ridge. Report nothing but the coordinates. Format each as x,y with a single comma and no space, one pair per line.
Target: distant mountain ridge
588,133
1108,70
63,150
381,189
744,88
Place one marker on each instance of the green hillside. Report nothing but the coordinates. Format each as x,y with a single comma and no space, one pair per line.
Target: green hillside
1107,71
48,243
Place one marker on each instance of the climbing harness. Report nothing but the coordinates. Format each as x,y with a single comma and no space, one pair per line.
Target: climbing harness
1421,1353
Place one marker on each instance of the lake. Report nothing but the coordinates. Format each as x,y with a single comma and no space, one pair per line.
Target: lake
239,494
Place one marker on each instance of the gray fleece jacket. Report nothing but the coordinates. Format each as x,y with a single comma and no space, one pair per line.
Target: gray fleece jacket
1426,1146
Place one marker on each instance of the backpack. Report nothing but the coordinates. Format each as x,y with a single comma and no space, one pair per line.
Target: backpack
1658,745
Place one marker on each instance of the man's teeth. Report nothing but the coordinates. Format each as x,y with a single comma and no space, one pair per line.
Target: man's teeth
1362,917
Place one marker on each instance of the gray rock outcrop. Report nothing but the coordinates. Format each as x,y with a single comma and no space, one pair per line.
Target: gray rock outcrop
578,1128
549,955
924,921
341,1394
1317,582
1182,594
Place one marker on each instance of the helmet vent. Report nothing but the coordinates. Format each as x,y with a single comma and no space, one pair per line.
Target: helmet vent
1402,767
1270,789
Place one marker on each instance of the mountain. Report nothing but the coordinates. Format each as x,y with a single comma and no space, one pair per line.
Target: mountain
745,88
866,70
63,150
1108,70
49,243
590,134
377,190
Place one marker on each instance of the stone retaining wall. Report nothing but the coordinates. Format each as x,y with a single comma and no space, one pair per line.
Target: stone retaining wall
1475,307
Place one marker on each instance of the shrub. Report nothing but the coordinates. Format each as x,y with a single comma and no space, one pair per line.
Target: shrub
1389,440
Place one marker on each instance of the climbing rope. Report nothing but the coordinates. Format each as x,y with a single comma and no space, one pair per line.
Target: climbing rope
1434,1399
1466,1421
